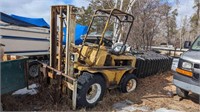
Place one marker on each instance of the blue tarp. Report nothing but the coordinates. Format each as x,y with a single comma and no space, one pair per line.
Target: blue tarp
23,21
79,31
40,22
8,19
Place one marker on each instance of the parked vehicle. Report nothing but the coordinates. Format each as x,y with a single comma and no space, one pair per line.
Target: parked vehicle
187,75
23,38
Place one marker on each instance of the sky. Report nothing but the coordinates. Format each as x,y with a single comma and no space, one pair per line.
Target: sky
41,8
185,9
36,8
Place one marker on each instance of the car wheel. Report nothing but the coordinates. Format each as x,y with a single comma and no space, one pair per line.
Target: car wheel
33,69
182,93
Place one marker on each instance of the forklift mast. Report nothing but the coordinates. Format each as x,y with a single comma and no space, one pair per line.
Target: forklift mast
61,67
62,16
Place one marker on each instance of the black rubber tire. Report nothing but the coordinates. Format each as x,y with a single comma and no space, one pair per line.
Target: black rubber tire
33,64
84,83
123,83
182,93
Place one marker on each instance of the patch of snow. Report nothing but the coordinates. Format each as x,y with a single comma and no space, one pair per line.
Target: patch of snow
32,90
132,108
175,64
126,106
166,110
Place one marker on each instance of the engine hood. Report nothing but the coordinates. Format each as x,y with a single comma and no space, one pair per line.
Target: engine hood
192,56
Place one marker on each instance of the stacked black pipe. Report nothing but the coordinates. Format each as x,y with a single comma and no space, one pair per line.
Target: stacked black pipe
150,63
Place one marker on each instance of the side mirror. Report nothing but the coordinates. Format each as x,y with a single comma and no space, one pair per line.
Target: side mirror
198,43
187,44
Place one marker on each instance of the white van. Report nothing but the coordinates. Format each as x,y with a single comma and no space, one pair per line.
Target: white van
187,75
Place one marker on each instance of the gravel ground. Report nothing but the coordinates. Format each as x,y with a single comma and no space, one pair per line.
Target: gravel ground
153,93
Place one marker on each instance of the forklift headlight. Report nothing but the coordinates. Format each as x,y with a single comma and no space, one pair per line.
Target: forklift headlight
74,57
187,65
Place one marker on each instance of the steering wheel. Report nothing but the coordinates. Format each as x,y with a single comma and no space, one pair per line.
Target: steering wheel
106,41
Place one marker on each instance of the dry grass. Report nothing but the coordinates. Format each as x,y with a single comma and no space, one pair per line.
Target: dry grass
154,92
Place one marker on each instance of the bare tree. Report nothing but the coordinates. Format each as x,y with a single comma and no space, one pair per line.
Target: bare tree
195,20
149,15
151,18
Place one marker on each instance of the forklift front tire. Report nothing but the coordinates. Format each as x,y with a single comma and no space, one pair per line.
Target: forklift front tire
182,93
91,89
128,83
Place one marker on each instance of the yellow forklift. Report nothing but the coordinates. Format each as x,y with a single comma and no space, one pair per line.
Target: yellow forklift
86,71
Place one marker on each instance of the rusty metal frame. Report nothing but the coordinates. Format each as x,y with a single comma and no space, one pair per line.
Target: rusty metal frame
110,12
62,15
49,71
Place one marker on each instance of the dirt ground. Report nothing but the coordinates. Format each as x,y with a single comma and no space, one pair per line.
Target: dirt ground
153,92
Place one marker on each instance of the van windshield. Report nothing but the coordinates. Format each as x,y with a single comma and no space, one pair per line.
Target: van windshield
196,45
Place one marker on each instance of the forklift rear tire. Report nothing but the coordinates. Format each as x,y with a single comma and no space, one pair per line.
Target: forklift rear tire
91,89
128,83
182,93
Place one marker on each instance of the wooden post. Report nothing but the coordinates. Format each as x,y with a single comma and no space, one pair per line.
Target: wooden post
175,52
53,37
